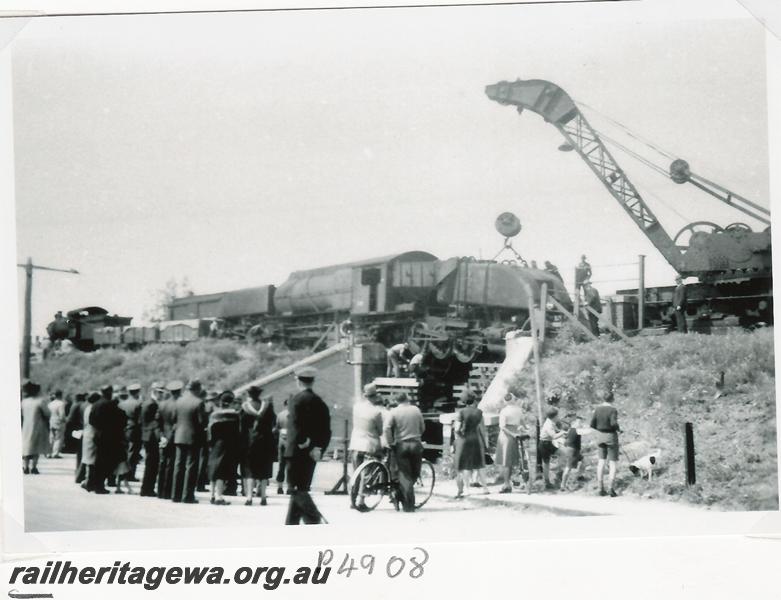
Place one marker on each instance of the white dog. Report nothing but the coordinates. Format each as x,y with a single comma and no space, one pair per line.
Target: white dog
646,464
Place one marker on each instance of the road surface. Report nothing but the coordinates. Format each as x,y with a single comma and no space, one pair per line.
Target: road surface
53,502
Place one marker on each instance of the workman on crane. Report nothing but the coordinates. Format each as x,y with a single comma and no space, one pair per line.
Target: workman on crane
679,304
582,273
397,355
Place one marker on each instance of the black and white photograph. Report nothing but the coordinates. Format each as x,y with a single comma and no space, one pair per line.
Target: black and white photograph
451,268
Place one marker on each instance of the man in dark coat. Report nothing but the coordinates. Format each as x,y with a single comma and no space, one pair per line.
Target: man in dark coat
189,425
593,301
166,418
75,423
209,406
150,439
108,421
308,435
679,304
131,406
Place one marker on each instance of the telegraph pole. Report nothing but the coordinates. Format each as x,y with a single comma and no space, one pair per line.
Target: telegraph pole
28,303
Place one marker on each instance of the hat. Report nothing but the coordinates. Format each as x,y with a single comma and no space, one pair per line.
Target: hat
158,385
254,390
370,390
30,387
80,395
194,385
467,396
106,389
174,386
94,396
134,387
306,373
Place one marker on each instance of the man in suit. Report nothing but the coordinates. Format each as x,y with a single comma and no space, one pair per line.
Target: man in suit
189,425
131,406
166,418
308,435
679,304
150,439
108,423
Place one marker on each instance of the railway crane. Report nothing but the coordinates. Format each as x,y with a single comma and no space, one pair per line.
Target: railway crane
733,264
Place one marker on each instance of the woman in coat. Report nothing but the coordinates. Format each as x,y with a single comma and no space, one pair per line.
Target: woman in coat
258,428
223,433
35,427
470,442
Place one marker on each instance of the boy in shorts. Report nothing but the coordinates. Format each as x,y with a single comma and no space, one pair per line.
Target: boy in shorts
571,455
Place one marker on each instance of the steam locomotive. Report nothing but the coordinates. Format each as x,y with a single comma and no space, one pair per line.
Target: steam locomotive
458,307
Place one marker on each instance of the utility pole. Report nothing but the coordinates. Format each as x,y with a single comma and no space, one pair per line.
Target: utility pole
28,303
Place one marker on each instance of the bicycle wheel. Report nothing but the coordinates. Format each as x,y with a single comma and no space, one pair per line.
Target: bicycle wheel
424,485
374,477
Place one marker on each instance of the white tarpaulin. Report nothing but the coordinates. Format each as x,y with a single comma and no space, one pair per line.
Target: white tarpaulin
518,351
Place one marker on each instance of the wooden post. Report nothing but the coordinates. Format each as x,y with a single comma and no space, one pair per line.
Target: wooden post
641,292
543,308
691,475
340,488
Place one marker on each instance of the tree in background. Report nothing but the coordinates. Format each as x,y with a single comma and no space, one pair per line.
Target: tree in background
158,311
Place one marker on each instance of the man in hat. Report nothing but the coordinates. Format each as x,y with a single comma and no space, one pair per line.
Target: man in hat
189,425
107,421
367,427
679,304
403,432
308,435
366,433
166,419
131,406
150,438
35,426
582,272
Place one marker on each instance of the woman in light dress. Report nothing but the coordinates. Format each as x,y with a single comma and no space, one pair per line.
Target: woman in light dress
508,454
35,427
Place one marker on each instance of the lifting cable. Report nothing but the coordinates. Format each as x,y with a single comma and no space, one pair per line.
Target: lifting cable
630,133
649,164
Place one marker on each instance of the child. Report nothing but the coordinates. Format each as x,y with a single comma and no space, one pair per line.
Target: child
548,434
573,459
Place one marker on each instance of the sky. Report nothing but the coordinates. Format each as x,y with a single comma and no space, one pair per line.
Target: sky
234,149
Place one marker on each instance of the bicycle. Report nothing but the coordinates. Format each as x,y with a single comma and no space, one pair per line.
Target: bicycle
375,477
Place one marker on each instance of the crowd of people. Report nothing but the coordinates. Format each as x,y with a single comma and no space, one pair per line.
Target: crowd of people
557,437
187,438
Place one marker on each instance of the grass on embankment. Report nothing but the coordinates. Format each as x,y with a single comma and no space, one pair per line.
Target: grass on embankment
218,364
662,382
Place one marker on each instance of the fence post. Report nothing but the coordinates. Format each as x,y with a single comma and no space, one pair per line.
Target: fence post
691,476
641,292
